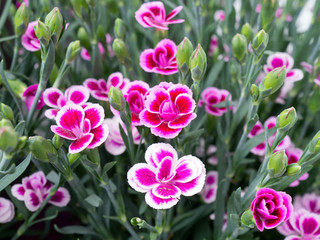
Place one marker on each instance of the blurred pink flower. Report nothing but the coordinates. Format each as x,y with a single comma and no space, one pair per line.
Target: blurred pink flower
29,39
213,45
109,45
209,192
212,96
6,210
29,94
86,55
219,15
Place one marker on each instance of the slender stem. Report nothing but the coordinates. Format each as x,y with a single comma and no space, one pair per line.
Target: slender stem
61,75
4,39
5,14
15,54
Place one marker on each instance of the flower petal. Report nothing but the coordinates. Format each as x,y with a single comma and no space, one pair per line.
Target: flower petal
71,117
185,103
146,60
51,113
166,191
187,169
61,198
294,75
160,203
142,177
174,12
182,121
51,96
113,147
155,98
164,131
100,135
32,200
95,113
165,170
62,132
150,119
158,151
18,191
77,94
81,143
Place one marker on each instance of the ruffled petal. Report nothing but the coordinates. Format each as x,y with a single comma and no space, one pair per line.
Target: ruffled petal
94,113
18,191
77,94
113,147
142,177
146,60
165,170
155,98
187,169
32,200
164,131
185,103
61,198
51,113
174,12
160,203
158,151
182,121
62,132
166,191
51,96
81,143
100,135
150,119
294,75
71,117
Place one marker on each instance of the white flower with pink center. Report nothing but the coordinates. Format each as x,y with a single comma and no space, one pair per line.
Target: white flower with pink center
260,149
99,89
168,109
6,210
219,15
84,127
54,98
209,192
114,143
164,178
309,201
212,96
35,188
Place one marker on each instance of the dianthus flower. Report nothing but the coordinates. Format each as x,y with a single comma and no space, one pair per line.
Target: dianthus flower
86,55
29,94
29,39
209,192
6,210
212,96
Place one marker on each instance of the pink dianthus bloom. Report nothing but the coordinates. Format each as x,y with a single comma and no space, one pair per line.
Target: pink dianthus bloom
6,210
294,155
212,96
84,126
54,98
260,149
161,59
219,15
86,55
209,192
164,178
29,94
153,14
35,188
271,208
99,89
309,201
29,39
168,109
114,143
213,45
109,45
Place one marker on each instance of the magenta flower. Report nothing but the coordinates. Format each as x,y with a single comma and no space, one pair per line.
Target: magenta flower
153,14
260,149
219,15
212,96
213,45
114,143
294,155
109,45
302,225
99,89
86,55
164,178
84,126
160,60
54,98
271,208
135,94
29,94
29,39
209,192
6,210
309,201
35,188
168,108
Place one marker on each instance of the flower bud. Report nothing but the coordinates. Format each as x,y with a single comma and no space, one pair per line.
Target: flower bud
54,21
254,91
17,86
184,51
198,64
57,141
73,51
42,32
120,49
8,138
260,42
273,81
268,11
117,99
247,31
277,164
6,111
137,222
315,143
78,5
83,37
286,119
41,148
22,142
240,47
5,123
247,218
293,169
21,19
119,28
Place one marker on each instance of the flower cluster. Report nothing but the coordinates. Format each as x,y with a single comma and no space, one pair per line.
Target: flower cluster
209,192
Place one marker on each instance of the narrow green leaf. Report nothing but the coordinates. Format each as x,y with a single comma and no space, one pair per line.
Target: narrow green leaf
108,166
76,229
20,127
94,200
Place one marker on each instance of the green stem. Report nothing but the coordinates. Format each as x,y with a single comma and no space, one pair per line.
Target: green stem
15,54
159,223
64,69
4,14
4,39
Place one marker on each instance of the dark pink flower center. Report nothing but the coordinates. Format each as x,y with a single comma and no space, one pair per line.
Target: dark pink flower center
168,111
255,129
277,62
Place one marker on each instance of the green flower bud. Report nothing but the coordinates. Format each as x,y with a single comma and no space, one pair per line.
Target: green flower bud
260,42
7,112
22,142
254,91
184,51
43,33
117,99
315,143
21,19
54,21
83,37
73,51
272,81
240,47
78,6
286,119
277,164
293,169
17,87
57,141
137,222
42,148
268,11
120,49
198,64
119,28
247,218
5,123
8,138
247,31
73,157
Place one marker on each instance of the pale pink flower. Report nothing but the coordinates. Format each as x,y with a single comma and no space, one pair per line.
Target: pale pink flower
29,94
54,98
109,45
219,15
213,45
307,66
29,39
153,14
99,89
317,80
258,8
86,55
164,178
35,188
212,96
6,210
309,201
161,59
114,143
260,149
209,192
84,127
169,108
271,208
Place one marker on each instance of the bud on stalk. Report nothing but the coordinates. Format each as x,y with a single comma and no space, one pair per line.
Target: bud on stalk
254,92
83,37
21,19
120,50
184,51
117,99
43,33
6,112
247,31
314,145
41,148
286,119
8,138
268,11
240,47
73,51
293,169
260,42
277,164
198,64
54,21
119,28
273,81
